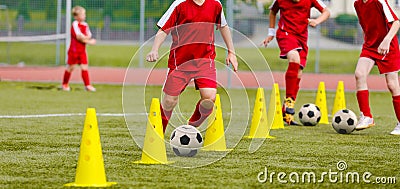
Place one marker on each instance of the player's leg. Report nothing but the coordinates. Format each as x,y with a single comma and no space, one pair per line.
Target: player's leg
205,82
204,106
66,77
167,105
174,85
85,78
292,81
392,80
363,68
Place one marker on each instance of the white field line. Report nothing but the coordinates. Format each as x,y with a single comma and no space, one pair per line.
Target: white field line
67,115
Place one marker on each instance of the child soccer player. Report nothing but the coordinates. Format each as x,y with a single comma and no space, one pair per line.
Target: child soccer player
191,24
80,36
380,48
292,36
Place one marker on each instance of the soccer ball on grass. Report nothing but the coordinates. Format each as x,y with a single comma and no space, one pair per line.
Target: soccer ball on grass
344,121
186,141
309,115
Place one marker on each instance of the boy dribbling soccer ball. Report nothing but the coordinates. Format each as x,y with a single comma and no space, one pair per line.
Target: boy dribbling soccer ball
292,36
192,54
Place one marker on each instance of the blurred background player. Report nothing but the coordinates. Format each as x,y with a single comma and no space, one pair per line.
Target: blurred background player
292,36
380,48
191,24
80,36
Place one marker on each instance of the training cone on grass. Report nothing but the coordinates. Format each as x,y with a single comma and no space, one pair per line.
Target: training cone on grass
90,169
340,101
320,101
214,139
275,117
154,151
259,124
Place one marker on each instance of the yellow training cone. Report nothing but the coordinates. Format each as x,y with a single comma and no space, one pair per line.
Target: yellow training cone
340,101
90,169
214,140
275,118
259,124
320,101
154,147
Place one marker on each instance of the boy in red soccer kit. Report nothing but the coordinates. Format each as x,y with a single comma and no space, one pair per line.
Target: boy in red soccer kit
292,36
191,24
80,36
380,48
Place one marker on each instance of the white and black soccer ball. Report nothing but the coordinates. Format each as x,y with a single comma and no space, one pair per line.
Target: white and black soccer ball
186,140
309,115
344,121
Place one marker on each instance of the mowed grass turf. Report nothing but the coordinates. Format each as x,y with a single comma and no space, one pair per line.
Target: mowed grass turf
43,152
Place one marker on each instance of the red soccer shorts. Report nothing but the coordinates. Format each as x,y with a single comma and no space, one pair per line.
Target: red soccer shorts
177,80
386,63
288,42
77,58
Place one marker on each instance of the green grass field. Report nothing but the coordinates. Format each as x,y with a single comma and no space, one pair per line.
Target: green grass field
43,152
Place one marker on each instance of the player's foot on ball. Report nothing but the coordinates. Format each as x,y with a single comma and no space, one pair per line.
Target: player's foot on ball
65,87
364,122
90,88
396,130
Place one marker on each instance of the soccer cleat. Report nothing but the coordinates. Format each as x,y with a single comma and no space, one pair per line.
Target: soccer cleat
288,112
65,87
364,122
90,88
396,130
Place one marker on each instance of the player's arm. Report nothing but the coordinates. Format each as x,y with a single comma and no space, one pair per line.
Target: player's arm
271,29
231,58
152,56
86,39
385,44
322,18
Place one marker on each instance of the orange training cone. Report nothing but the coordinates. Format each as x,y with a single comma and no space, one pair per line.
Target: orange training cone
320,101
214,139
90,169
275,117
154,151
259,124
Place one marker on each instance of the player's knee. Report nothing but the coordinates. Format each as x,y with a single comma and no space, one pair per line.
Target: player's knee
70,68
393,87
293,56
170,103
360,75
207,103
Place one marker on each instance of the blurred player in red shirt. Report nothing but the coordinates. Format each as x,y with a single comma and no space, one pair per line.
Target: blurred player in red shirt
380,25
80,36
292,36
192,24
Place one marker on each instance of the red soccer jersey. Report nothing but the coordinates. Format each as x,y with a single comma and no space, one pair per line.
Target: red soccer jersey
376,18
192,29
78,28
294,16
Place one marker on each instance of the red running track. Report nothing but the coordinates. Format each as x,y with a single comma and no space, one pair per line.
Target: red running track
141,76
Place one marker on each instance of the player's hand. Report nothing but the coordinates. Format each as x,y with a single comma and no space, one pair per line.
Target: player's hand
267,40
152,56
312,22
383,48
231,59
91,41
